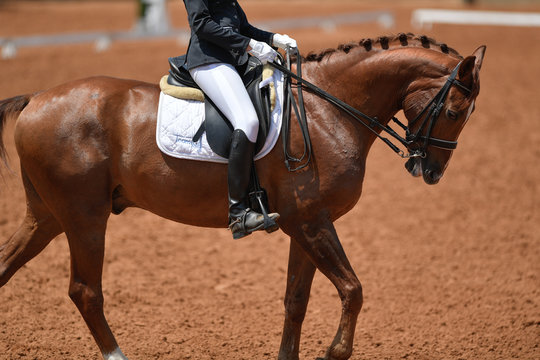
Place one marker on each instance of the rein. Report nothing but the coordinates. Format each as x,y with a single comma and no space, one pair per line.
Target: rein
431,113
299,110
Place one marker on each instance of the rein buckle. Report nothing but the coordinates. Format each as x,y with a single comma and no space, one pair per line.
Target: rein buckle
414,154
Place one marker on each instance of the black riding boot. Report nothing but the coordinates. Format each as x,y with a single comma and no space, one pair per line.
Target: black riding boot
242,220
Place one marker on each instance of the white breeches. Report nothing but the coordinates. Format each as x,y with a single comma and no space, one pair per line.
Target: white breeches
222,84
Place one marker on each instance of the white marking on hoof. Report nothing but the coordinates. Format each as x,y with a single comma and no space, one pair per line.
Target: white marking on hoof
115,355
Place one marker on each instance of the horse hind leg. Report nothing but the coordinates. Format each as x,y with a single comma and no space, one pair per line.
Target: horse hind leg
87,242
84,220
83,216
37,230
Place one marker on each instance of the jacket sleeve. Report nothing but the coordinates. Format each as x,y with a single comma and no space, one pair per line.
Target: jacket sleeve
206,28
251,31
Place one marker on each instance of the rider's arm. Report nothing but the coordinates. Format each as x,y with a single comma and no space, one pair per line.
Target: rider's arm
251,31
206,28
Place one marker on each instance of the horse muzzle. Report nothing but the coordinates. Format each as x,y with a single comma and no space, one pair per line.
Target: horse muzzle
432,176
414,166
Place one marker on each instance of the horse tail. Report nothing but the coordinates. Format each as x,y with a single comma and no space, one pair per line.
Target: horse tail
11,106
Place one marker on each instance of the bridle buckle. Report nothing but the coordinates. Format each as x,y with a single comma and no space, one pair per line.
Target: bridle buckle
414,154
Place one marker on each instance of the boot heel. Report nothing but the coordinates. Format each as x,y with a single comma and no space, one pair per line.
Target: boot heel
272,228
270,224
240,234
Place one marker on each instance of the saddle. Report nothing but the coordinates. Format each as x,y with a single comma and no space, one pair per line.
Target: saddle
217,126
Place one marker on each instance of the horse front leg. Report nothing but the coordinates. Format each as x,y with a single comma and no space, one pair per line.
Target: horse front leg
319,240
299,278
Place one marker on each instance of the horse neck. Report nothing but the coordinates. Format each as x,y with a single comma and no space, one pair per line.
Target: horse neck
378,82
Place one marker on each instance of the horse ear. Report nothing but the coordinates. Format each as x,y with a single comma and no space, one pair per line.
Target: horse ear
470,66
466,68
479,54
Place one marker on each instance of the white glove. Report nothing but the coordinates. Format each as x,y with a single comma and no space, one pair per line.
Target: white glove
262,51
282,41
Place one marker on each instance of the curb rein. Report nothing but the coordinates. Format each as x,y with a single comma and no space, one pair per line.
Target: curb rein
431,113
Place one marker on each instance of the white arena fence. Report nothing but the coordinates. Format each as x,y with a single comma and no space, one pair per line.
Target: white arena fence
427,17
102,40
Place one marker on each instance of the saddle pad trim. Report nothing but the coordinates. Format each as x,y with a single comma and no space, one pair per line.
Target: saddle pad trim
267,79
188,93
180,92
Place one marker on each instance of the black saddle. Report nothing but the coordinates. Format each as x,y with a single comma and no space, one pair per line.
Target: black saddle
217,126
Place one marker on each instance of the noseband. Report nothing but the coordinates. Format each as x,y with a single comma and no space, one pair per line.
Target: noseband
415,143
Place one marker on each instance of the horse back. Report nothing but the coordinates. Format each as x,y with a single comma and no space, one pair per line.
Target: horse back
73,127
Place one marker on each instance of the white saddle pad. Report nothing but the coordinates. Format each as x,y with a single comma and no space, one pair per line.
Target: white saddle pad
178,120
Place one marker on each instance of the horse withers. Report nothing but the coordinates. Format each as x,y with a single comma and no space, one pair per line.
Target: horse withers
87,149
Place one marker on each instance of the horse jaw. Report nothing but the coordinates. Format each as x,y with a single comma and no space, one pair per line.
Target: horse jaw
414,166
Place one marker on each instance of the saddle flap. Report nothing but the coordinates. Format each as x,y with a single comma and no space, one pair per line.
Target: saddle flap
219,129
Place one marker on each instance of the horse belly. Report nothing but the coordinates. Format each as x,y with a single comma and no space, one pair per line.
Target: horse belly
186,191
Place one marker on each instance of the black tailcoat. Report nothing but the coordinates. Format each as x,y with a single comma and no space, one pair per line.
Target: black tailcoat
220,32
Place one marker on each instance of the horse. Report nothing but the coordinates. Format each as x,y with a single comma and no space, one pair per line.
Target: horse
87,149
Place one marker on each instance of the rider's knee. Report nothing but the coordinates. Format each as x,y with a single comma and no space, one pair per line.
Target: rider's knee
250,125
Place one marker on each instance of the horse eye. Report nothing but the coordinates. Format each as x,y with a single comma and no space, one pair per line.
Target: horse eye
452,115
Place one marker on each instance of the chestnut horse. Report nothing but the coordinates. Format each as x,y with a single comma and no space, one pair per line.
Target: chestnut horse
87,148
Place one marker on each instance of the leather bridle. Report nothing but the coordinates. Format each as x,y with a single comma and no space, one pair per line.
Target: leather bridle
416,142
430,114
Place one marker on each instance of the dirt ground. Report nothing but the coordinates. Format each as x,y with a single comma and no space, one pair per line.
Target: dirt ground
449,271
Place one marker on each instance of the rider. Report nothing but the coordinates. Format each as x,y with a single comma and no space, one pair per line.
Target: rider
221,39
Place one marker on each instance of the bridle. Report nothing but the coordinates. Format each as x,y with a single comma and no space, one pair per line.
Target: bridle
430,114
415,143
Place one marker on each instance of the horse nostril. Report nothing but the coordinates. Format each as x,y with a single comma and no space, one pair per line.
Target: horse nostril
409,165
432,175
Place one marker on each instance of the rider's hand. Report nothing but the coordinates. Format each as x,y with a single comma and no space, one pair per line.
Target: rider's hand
262,51
284,41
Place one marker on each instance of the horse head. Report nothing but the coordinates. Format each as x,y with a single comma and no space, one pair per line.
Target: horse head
438,125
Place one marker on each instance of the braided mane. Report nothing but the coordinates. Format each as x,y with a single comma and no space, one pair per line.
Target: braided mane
385,43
